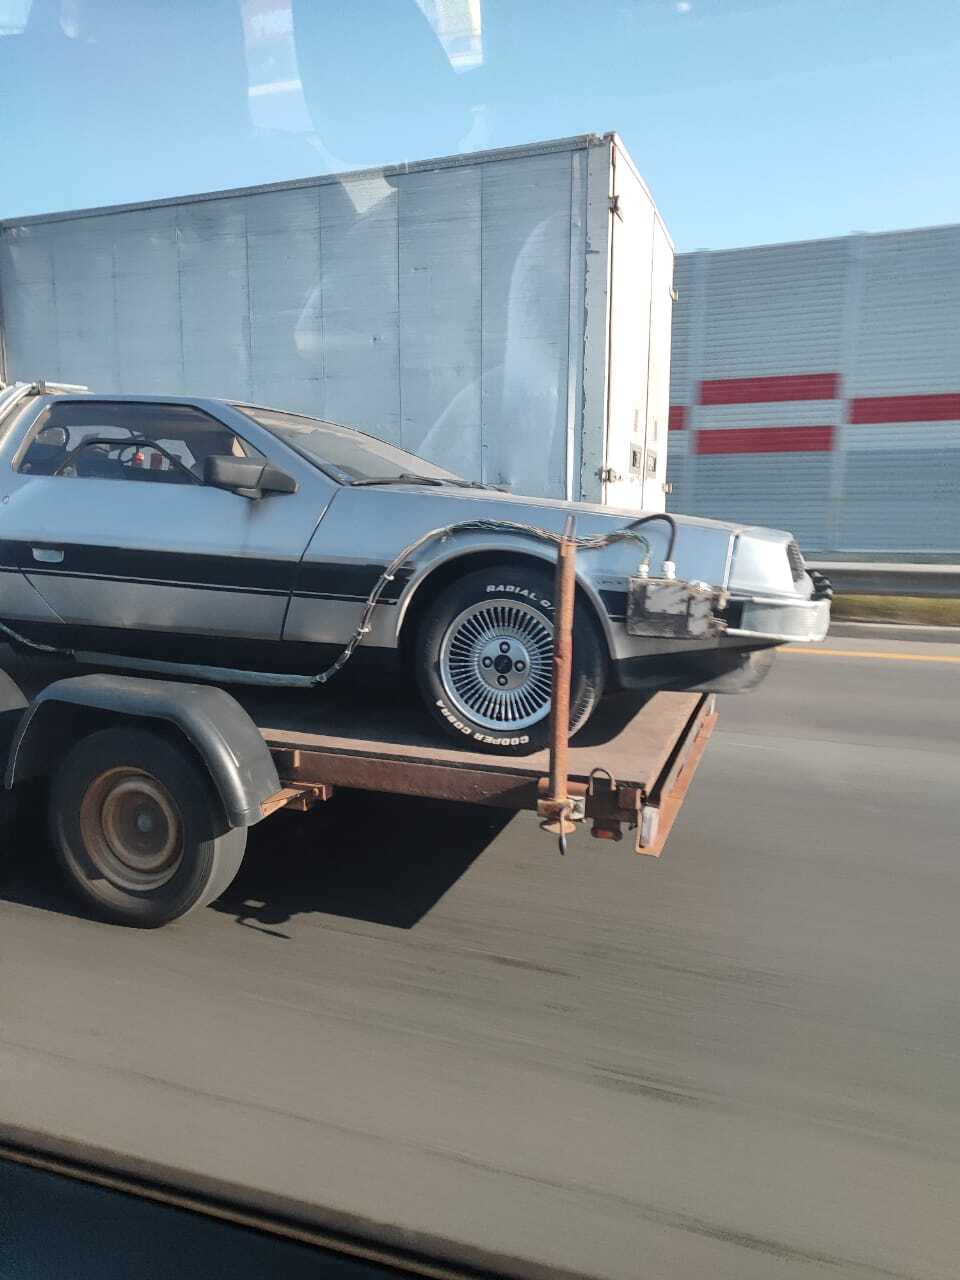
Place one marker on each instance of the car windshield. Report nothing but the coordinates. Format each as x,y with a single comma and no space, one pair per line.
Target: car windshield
349,456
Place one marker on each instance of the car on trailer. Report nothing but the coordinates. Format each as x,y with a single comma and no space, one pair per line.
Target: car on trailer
228,542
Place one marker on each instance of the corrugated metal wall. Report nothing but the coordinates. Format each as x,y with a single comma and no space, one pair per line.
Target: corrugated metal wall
816,387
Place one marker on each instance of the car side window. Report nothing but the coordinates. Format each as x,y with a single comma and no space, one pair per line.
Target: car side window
128,441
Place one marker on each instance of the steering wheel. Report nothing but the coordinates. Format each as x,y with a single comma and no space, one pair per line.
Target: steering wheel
142,441
120,447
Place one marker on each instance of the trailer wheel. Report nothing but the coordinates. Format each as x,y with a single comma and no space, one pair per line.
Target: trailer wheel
138,829
484,660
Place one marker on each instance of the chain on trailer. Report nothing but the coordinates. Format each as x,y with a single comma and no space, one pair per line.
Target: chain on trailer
594,542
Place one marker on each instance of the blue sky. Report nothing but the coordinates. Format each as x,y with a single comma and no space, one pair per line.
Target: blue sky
752,120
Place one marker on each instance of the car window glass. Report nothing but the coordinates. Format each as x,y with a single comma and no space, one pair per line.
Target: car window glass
157,443
348,454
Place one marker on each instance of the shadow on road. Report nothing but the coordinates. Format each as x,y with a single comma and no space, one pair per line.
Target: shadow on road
383,859
29,875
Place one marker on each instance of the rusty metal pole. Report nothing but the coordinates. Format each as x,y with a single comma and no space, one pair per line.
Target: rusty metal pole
556,806
564,592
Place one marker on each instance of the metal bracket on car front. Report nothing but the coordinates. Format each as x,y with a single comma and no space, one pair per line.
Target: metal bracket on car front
674,609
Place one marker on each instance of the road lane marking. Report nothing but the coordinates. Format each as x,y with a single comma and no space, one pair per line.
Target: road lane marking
878,654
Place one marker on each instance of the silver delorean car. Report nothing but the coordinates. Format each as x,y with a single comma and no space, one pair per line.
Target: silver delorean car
234,542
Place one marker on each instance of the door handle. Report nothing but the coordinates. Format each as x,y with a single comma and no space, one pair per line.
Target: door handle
48,555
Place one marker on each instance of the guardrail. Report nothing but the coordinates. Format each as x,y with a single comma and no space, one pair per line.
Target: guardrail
884,579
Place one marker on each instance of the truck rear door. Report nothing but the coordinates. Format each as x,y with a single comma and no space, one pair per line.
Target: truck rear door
638,374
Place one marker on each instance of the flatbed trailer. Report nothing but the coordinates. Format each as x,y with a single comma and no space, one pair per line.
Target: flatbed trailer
629,769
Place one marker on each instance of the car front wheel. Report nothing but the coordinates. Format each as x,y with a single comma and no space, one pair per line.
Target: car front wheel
484,660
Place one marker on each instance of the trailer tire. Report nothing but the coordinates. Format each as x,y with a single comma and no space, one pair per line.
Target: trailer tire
139,830
503,615
9,824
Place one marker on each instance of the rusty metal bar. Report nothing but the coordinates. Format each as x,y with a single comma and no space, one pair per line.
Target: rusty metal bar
557,807
296,795
657,818
562,661
496,787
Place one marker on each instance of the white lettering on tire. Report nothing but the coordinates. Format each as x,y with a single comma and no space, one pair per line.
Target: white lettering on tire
508,589
520,740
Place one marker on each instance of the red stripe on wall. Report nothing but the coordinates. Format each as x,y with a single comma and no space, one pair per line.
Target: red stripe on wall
677,420
766,440
942,408
792,386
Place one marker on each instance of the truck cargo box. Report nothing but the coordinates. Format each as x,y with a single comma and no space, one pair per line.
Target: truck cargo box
504,313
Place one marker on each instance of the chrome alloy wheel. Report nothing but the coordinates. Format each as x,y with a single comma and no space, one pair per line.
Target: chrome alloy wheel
131,829
496,664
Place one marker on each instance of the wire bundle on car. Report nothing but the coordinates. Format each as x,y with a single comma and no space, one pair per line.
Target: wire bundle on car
593,542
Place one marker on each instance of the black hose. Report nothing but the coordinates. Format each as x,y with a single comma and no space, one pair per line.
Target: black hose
667,519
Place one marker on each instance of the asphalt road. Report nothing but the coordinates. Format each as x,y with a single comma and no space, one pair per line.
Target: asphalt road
739,1062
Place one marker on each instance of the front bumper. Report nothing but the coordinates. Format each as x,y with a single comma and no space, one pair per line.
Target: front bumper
733,660
779,620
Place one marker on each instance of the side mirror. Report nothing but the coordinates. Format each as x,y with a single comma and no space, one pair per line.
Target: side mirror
55,437
246,476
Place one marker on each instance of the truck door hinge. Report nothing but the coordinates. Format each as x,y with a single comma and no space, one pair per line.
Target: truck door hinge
615,207
608,475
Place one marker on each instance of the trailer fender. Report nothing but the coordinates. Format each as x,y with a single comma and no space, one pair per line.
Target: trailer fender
216,726
12,706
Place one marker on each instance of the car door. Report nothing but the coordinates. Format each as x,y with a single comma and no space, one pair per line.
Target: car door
134,554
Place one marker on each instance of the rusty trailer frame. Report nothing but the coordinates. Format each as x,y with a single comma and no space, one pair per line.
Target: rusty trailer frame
635,778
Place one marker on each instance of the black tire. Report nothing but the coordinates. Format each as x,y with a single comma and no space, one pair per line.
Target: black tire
10,809
111,784
517,599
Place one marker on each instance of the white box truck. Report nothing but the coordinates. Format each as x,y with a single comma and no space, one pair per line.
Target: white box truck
504,313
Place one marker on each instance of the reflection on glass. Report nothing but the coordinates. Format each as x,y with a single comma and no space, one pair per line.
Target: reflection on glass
275,88
458,25
13,16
